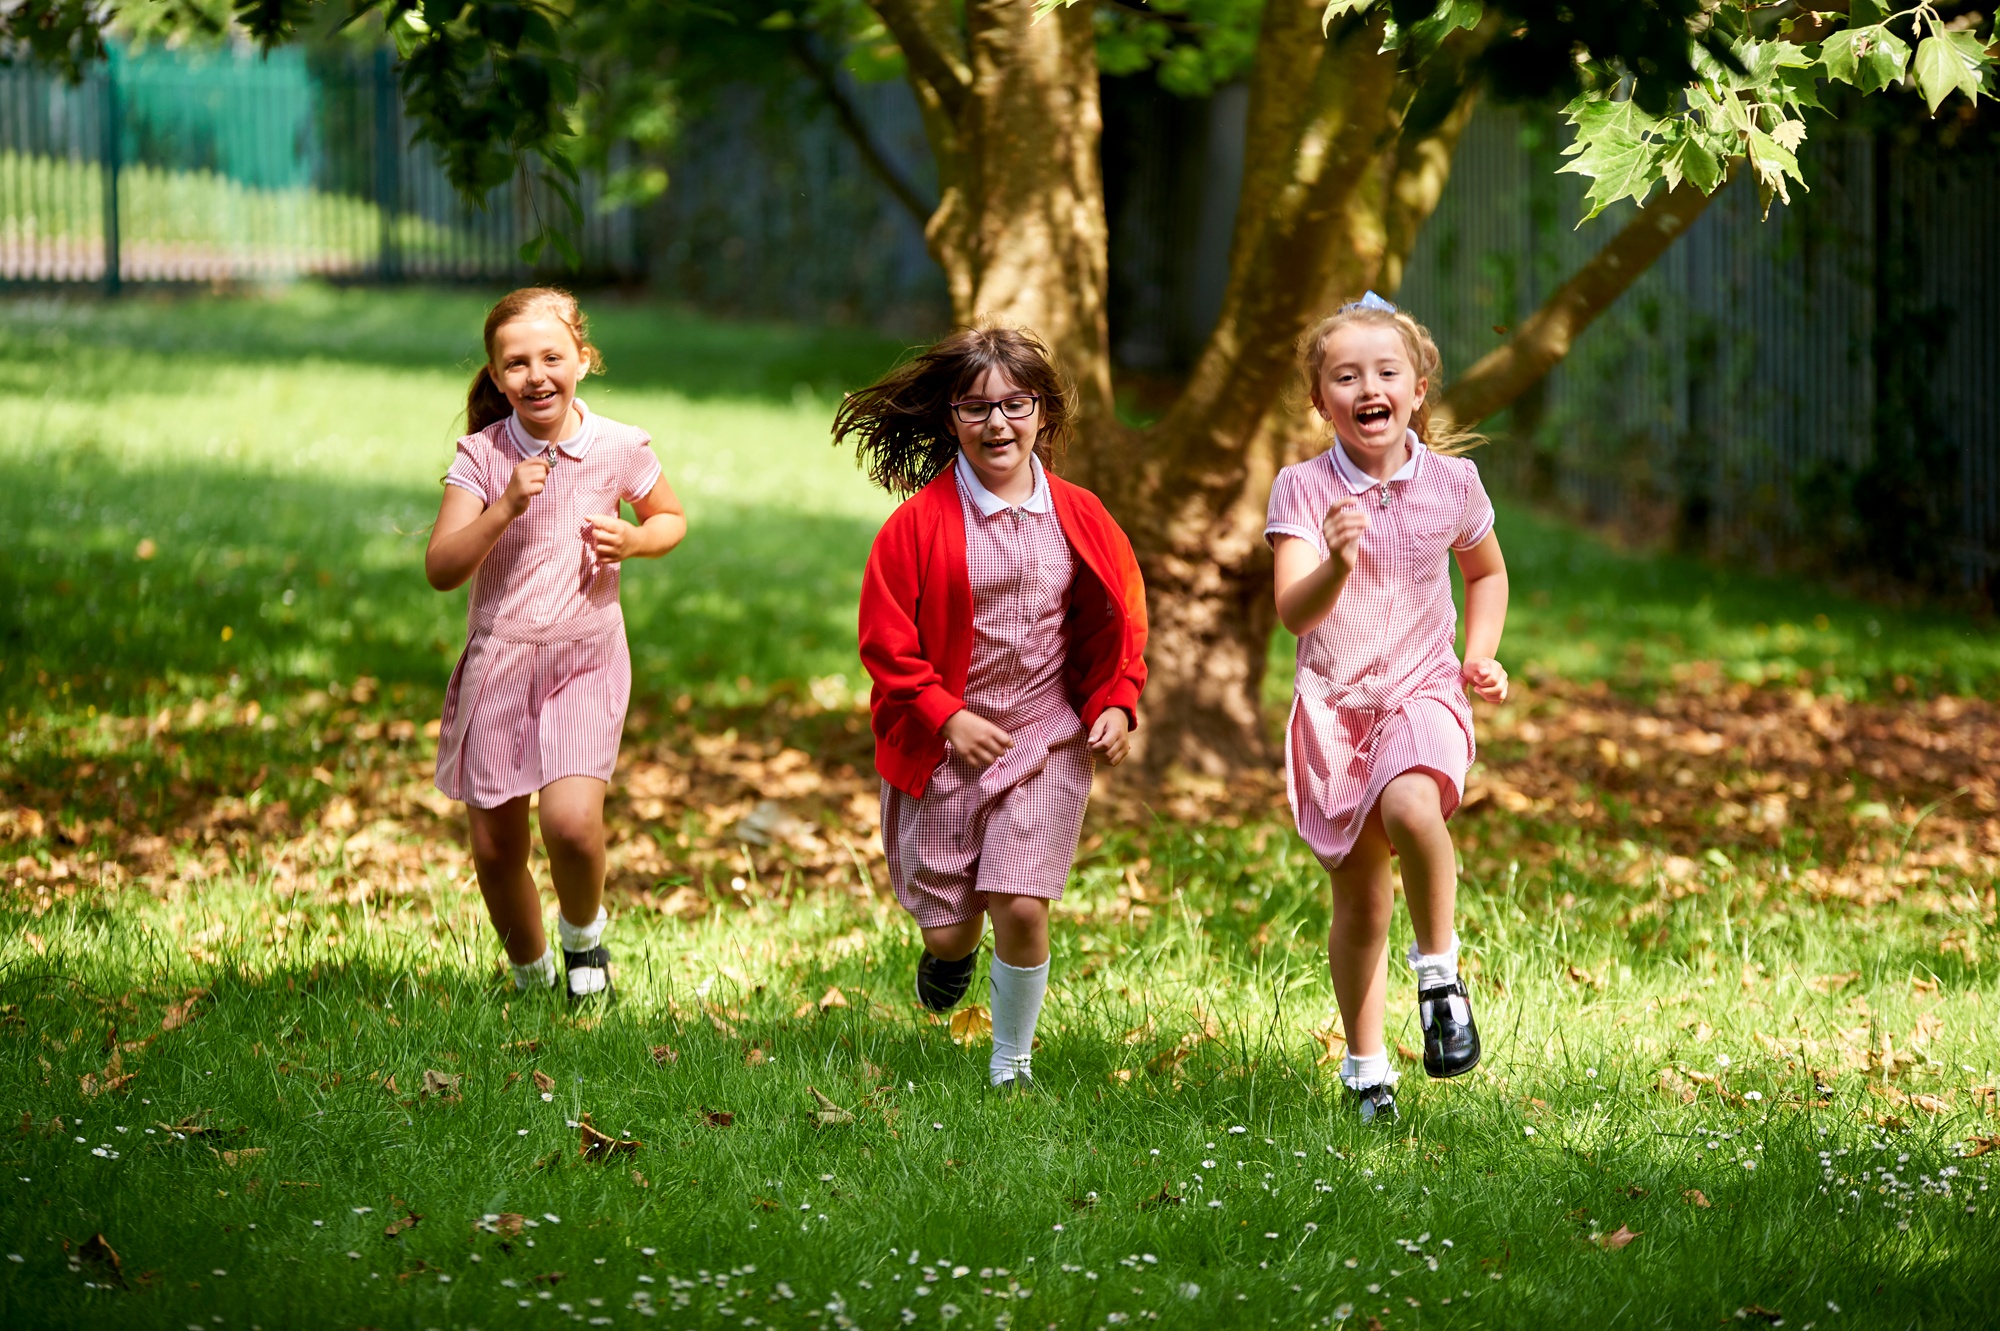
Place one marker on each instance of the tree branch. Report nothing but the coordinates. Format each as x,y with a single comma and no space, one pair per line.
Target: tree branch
1546,336
930,44
858,132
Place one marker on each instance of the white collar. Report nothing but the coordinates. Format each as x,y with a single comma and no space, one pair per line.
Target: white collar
989,503
576,445
1359,481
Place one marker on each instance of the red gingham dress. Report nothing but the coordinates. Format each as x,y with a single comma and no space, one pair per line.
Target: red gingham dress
1013,827
541,689
1377,691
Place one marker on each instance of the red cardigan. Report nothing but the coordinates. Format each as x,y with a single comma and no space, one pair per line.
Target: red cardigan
916,623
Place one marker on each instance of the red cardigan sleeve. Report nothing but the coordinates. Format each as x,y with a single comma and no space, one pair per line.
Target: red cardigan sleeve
1131,678
891,647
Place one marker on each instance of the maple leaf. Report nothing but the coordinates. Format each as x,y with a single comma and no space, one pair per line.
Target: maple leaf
1977,1146
1617,1238
970,1025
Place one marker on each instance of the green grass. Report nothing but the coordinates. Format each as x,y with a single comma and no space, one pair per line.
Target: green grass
282,454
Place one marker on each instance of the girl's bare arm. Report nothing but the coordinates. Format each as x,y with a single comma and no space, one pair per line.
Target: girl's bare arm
1485,573
1307,586
661,526
467,530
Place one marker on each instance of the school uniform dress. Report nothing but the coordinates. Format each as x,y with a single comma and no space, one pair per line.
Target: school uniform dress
1037,624
1377,691
541,688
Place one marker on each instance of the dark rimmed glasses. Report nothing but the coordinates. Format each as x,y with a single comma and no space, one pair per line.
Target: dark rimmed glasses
979,410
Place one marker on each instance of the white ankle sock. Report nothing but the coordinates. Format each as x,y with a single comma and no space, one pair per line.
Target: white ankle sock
582,938
1435,971
1017,1005
1367,1070
537,974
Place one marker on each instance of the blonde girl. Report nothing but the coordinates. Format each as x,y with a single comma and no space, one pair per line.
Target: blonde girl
1380,734
537,703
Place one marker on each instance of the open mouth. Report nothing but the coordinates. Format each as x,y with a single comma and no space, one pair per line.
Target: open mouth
1369,417
537,398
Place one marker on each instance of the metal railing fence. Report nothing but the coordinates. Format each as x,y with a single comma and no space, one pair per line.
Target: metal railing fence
225,165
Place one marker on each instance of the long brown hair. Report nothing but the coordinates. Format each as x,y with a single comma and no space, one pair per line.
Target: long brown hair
1444,438
901,425
484,402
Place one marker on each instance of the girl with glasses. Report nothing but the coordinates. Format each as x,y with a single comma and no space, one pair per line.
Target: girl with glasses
1003,622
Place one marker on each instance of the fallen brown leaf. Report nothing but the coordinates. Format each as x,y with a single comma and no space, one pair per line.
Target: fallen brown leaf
662,1055
763,1203
725,1027
1166,1196
1832,984
754,1057
235,1158
599,1146
718,1118
1977,1146
525,1046
389,1084
1695,1197
1930,1104
552,1278
444,1085
1407,1054
639,1180
1748,1311
181,1013
971,1025
1617,1238
407,1221
828,1114
102,1256
1330,1042
543,1081
512,1077
832,998
1167,1060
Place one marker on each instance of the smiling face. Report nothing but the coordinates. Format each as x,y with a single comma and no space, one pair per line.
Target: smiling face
1368,389
999,448
536,362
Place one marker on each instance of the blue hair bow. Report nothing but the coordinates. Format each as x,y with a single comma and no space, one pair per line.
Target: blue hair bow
1370,301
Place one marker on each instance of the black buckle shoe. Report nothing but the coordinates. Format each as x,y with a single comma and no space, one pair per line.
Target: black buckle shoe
1377,1102
1451,1041
941,984
597,958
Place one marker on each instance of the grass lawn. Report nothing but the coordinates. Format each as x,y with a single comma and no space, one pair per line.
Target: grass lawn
1739,1064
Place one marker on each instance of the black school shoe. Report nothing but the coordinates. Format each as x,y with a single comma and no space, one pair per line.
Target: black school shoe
941,985
597,958
1451,1041
1377,1102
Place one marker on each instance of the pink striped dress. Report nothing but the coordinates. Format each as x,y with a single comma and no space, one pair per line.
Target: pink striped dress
1011,828
1377,691
541,689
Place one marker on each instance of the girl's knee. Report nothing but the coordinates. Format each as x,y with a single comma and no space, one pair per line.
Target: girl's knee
1411,803
1019,911
573,837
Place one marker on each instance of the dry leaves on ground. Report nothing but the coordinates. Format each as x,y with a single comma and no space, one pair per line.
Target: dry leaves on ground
543,1081
443,1085
664,1054
826,1113
1617,1238
599,1146
1695,1197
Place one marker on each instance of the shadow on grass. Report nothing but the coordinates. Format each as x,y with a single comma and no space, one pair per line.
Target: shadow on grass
158,341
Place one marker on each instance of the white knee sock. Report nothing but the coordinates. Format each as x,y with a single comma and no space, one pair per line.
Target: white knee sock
1434,971
1367,1070
1017,1005
582,938
537,974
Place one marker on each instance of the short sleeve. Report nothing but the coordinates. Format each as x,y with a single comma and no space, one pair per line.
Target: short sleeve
1291,512
1477,520
468,469
642,473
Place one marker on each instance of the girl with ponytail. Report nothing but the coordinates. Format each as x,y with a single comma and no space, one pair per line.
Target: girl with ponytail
531,516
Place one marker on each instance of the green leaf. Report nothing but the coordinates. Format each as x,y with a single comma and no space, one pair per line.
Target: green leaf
1798,88
1422,38
1691,159
1773,163
1944,66
1870,58
1867,12
1334,9
1614,148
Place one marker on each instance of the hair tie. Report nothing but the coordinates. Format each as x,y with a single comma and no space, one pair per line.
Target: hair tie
1369,301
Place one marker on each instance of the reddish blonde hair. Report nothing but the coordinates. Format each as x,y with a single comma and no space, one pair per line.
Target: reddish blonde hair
484,402
1446,439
